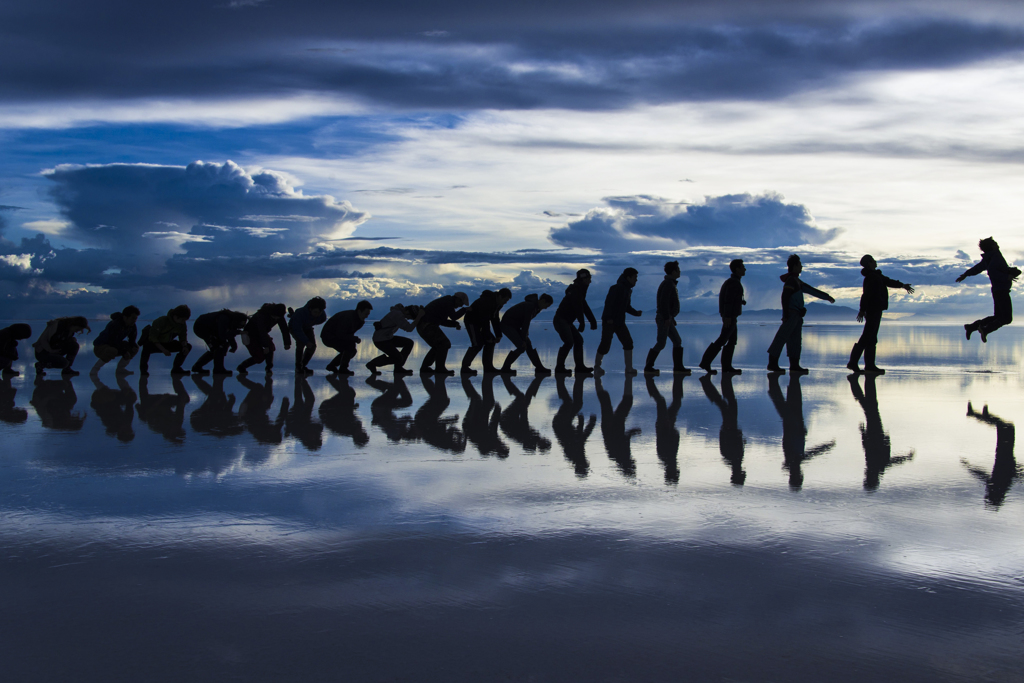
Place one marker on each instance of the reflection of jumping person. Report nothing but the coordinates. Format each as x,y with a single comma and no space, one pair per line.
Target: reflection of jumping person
613,320
1005,469
1001,276
117,339
730,307
790,333
873,301
57,347
665,318
570,311
877,448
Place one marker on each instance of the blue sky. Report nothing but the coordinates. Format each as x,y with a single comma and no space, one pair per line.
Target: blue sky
234,152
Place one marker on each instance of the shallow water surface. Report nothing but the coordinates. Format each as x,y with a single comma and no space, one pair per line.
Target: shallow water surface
699,528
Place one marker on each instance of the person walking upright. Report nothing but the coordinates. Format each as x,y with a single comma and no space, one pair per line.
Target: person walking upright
1002,277
790,333
572,309
730,307
665,318
613,320
873,301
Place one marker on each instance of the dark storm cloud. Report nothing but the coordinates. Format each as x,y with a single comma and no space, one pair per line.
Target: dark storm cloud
467,55
738,220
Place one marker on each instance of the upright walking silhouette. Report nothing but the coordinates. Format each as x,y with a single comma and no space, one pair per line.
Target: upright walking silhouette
877,448
573,309
730,308
665,431
794,431
1002,277
1005,469
613,320
730,436
873,301
790,333
568,426
667,308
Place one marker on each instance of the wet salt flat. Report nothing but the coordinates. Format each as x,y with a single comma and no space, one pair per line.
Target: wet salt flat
706,528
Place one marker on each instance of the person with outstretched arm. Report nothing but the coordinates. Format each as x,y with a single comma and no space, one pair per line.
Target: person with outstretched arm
873,301
166,334
118,338
300,323
665,318
790,333
573,309
339,333
481,318
394,348
218,330
730,308
515,325
1002,277
442,312
257,340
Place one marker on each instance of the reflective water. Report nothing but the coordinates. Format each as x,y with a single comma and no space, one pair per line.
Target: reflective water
821,528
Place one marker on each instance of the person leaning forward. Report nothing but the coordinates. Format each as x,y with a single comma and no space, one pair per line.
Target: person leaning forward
339,333
613,320
571,310
442,312
166,334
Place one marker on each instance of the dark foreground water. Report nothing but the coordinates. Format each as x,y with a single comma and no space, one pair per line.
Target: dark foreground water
524,530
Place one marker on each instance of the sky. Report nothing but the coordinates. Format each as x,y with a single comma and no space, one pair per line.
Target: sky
224,153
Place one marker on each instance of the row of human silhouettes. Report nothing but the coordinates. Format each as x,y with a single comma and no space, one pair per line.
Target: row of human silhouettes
486,425
56,347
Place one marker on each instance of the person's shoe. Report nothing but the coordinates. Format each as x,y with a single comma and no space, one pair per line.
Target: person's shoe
797,370
372,368
202,372
123,372
542,372
143,373
708,369
506,371
854,368
447,372
873,370
468,372
40,370
651,372
984,334
731,371
558,371
68,372
584,370
968,328
8,372
240,371
682,371
403,371
344,371
223,373
630,372
269,372
596,371
179,371
307,372
774,368
493,371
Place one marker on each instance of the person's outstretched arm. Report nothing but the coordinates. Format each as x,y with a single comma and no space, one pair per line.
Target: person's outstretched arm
977,269
807,289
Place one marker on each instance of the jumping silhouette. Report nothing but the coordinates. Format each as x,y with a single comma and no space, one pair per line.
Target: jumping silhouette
572,310
166,334
665,431
338,413
9,338
1005,469
483,325
219,331
730,308
395,396
442,312
877,449
568,427
253,412
613,320
515,325
790,333
515,419
480,423
665,318
118,338
57,347
730,436
164,414
873,301
301,322
216,416
794,431
339,333
434,430
298,418
1002,277
257,340
114,407
395,349
9,412
613,427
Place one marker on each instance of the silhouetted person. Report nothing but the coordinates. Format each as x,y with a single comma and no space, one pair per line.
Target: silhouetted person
568,425
572,310
300,323
216,416
434,430
339,333
442,312
515,419
515,325
613,320
873,301
164,413
57,347
9,412
483,325
1001,276
730,308
395,396
114,407
790,333
665,432
257,340
219,331
730,437
118,338
1005,469
254,409
613,427
667,308
9,338
395,349
298,419
54,400
338,413
794,432
877,448
480,423
166,334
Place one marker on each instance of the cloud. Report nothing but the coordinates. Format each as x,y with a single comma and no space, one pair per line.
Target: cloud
645,222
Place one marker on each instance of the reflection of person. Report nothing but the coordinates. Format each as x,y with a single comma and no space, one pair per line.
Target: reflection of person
54,400
730,308
218,330
515,419
442,312
665,431
568,425
57,347
9,338
434,430
613,320
665,318
790,333
166,334
572,310
115,408
1001,276
613,427
298,420
300,324
794,432
9,412
216,416
730,437
256,337
118,338
395,396
480,423
1005,469
877,448
254,408
515,325
395,349
483,325
338,413
164,413
339,333
873,301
